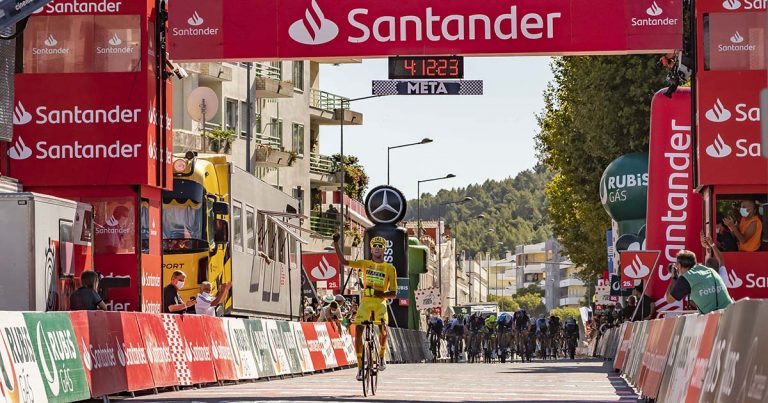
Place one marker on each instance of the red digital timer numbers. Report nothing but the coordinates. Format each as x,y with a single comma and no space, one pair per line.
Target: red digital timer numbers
404,68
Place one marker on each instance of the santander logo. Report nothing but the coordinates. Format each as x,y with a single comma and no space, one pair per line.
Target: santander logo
637,269
718,113
20,115
737,38
115,40
718,148
51,41
195,20
324,270
314,28
654,10
732,4
19,150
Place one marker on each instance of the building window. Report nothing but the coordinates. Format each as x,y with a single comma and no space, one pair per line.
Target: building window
272,239
231,117
261,228
276,131
257,122
298,75
298,139
243,119
237,225
250,226
279,67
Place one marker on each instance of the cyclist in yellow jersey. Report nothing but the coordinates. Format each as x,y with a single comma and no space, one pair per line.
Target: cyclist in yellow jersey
380,283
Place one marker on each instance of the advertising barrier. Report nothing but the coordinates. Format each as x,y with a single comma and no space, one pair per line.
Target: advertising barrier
221,350
305,358
262,351
196,347
291,347
337,342
161,362
243,352
22,378
276,347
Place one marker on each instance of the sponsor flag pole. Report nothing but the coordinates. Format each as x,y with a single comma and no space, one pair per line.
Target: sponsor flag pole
647,285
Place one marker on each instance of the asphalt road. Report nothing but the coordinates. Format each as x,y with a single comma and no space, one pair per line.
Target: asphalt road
550,381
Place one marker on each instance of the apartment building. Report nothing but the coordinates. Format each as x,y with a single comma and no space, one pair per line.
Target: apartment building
562,287
281,107
530,260
502,277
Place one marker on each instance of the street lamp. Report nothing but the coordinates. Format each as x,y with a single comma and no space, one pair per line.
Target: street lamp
418,200
440,240
423,141
345,105
456,271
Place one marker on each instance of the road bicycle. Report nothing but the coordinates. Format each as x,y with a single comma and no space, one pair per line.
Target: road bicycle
434,345
370,363
473,347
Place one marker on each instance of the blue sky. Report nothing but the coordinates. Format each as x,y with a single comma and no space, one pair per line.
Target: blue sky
475,137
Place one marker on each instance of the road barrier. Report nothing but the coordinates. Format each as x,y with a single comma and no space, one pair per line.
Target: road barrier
72,356
718,357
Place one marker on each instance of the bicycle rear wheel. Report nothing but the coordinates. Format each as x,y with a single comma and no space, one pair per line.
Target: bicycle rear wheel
374,368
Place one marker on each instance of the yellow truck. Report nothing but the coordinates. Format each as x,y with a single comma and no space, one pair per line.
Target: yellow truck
222,224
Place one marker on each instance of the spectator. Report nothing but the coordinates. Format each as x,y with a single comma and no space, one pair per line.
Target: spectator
205,303
172,302
647,309
309,314
749,230
331,313
332,213
703,285
725,239
86,298
629,310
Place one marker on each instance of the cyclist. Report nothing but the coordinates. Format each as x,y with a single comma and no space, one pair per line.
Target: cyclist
554,333
542,328
571,332
380,284
434,332
504,326
489,331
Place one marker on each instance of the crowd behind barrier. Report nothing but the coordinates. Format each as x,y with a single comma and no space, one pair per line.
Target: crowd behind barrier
718,357
71,356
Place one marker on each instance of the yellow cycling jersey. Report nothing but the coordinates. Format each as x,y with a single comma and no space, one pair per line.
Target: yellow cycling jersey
379,276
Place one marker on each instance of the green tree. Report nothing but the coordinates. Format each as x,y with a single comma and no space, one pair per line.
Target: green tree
514,208
596,109
506,304
355,178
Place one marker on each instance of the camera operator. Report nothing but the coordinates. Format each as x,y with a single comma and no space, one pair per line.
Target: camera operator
703,285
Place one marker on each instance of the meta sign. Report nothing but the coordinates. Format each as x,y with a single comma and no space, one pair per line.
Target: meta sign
729,144
428,87
302,29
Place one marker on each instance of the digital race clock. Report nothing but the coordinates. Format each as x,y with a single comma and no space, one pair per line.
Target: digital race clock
426,67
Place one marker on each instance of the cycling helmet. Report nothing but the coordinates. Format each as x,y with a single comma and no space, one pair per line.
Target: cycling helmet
340,298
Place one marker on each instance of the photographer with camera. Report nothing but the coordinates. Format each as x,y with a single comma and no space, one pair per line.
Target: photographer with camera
703,285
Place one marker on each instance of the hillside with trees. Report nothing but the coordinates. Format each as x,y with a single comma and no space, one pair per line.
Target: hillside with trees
515,212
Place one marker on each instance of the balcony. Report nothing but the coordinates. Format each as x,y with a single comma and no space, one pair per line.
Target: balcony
268,157
326,109
268,82
571,282
532,268
323,225
185,140
570,301
209,70
323,172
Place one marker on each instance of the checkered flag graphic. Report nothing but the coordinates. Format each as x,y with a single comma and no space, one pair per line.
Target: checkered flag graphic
176,344
471,87
384,87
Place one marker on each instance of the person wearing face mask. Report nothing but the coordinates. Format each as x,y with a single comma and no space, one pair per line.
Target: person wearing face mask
172,302
749,230
205,303
331,313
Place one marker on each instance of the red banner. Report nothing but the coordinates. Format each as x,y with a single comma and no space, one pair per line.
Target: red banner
155,337
98,348
137,364
655,357
338,345
701,363
197,348
323,267
673,216
311,29
314,345
621,354
637,266
221,350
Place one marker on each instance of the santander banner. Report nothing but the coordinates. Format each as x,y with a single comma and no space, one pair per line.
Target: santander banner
300,29
673,215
